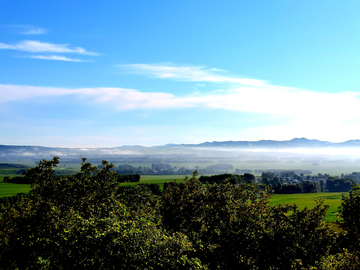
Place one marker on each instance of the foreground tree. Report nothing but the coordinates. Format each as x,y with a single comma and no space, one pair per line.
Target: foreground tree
349,214
234,227
86,221
77,222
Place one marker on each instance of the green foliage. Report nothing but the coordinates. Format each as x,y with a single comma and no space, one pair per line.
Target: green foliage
140,198
88,221
339,185
232,178
76,222
301,187
349,214
8,201
339,261
16,180
234,227
128,178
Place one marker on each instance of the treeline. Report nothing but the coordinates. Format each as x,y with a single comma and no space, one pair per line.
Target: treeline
121,178
331,185
86,221
301,187
162,168
275,171
354,175
287,182
17,180
339,185
231,178
155,169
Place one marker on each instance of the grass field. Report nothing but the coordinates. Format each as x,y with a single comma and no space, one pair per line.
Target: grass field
9,189
302,200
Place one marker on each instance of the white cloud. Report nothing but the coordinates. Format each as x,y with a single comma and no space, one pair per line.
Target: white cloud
54,57
119,98
256,96
19,92
26,29
35,46
188,73
34,31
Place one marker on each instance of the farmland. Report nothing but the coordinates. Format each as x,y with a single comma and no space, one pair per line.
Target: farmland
9,189
302,200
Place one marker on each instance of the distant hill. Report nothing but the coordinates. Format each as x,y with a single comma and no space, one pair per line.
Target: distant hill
39,152
12,166
294,143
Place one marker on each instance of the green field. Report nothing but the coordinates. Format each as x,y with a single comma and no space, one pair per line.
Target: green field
9,189
333,199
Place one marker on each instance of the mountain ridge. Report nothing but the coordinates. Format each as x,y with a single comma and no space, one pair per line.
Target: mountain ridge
293,143
206,149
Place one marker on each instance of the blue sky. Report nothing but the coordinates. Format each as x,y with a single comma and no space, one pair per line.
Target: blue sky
111,73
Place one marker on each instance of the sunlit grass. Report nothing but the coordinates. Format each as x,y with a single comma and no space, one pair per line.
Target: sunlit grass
302,200
10,189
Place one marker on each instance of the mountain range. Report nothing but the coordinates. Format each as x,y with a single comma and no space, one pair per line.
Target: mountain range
16,152
294,143
261,144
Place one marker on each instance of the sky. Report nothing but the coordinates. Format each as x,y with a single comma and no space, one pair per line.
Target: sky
112,73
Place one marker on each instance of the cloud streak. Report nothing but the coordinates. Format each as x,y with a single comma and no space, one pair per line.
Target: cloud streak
54,57
188,73
26,29
35,46
34,31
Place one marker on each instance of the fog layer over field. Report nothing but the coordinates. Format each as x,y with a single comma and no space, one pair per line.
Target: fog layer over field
313,155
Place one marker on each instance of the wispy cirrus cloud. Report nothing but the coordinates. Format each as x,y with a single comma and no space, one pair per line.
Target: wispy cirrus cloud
34,31
46,49
54,57
26,29
188,73
119,98
23,92
35,46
